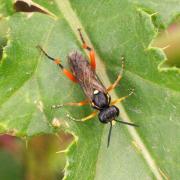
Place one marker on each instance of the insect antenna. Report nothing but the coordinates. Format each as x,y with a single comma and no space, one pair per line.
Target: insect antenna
109,135
51,58
127,123
57,61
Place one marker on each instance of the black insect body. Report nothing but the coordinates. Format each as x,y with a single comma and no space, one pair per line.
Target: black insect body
97,95
108,114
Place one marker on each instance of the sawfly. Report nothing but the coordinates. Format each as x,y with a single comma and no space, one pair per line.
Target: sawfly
83,72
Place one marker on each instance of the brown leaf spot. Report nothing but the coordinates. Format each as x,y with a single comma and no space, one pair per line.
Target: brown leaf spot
29,6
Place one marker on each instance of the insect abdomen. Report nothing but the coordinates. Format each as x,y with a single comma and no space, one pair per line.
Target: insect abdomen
80,67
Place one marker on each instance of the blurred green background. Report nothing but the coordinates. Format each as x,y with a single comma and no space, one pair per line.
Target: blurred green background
33,159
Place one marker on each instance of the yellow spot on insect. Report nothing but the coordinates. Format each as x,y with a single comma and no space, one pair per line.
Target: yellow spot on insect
96,91
113,122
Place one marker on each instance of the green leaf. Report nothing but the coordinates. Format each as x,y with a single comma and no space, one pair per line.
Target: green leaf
6,8
30,84
167,9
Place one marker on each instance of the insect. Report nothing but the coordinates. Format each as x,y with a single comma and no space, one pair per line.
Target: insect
83,73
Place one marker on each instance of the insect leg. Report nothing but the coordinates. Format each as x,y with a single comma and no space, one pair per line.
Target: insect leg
68,74
122,98
82,103
111,87
85,118
91,51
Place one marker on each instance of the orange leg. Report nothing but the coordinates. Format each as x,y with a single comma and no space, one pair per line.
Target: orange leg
82,103
85,118
91,52
68,74
122,98
111,87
